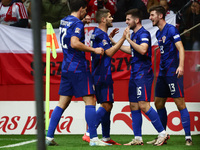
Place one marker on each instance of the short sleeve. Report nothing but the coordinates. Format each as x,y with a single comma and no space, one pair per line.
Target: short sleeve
21,11
145,38
105,42
78,30
174,34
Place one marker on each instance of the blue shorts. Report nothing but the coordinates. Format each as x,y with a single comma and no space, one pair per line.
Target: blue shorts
140,89
104,93
169,86
76,84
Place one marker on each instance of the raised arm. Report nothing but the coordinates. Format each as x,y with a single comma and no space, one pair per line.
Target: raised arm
76,44
111,51
123,48
142,48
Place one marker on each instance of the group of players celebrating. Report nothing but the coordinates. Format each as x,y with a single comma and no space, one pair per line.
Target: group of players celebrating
76,79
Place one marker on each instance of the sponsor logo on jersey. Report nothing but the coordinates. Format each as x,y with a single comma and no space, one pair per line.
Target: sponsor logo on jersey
104,42
78,30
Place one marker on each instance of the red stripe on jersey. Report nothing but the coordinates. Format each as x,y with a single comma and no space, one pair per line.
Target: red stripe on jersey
181,95
77,67
146,99
71,61
98,80
22,11
88,86
108,94
138,70
169,66
106,74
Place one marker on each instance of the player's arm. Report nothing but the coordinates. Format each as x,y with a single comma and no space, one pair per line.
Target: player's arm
111,51
77,44
180,69
142,48
123,48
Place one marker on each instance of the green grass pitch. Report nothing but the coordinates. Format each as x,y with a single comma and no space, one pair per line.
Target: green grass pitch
74,142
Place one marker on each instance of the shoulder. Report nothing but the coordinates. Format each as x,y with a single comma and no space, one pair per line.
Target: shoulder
19,4
157,32
172,30
144,33
100,34
78,23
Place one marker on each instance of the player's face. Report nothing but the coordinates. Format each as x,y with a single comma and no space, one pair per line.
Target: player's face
154,18
6,2
109,20
131,22
83,13
164,4
195,7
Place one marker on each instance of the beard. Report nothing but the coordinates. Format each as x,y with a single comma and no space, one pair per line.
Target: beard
133,27
109,25
155,23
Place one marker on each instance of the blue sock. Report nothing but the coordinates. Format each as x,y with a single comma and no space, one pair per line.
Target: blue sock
90,117
106,125
163,116
137,122
155,120
185,119
55,118
100,113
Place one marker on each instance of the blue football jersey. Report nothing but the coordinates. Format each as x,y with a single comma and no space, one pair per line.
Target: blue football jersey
141,64
74,60
169,54
101,65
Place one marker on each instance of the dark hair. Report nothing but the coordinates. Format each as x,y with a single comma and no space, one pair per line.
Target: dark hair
135,13
159,10
101,13
75,5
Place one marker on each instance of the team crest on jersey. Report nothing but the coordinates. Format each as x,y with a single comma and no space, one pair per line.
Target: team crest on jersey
77,30
104,42
134,40
163,39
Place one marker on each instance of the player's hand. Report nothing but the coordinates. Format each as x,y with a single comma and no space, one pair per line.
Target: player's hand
99,50
124,34
114,32
87,19
179,72
127,32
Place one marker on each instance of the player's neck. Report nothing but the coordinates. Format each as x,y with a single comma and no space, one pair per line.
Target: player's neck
137,28
103,27
161,25
76,14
